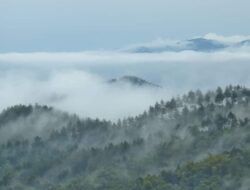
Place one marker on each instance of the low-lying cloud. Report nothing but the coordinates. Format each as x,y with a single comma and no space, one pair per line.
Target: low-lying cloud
76,82
78,92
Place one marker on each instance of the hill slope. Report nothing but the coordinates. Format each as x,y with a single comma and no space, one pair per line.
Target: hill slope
198,141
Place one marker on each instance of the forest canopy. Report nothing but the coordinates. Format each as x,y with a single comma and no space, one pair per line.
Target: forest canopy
198,141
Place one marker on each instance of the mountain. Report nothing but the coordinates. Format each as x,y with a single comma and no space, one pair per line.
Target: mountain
196,44
201,44
245,43
195,142
132,81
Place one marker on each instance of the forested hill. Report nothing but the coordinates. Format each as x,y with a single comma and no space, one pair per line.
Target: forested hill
194,142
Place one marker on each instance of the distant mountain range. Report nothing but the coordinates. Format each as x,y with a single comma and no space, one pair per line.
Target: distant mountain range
201,44
132,81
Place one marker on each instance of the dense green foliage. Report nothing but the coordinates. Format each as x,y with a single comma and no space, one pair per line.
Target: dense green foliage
195,142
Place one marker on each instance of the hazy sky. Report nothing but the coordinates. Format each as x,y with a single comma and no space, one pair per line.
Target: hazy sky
74,25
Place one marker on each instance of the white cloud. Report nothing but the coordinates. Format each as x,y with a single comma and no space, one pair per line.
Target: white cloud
111,57
227,39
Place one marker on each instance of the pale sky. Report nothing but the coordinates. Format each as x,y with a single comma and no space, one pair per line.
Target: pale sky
77,25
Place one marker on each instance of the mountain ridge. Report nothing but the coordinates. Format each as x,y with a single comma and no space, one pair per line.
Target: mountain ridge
133,81
199,44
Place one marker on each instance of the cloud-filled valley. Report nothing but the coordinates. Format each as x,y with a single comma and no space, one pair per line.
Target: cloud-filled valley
77,81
